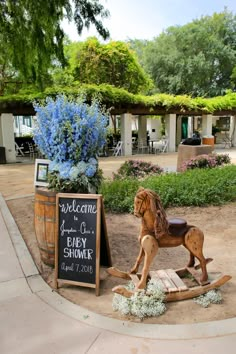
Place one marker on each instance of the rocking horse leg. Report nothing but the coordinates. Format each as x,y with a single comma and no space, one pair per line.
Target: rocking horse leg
194,243
150,247
134,270
191,260
202,261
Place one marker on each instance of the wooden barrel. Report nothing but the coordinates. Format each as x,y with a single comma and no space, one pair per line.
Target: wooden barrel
45,224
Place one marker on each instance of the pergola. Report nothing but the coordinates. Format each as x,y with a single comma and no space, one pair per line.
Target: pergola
126,110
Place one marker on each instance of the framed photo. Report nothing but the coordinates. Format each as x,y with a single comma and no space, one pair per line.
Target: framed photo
41,172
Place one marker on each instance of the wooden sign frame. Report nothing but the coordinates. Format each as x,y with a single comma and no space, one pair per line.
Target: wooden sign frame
100,226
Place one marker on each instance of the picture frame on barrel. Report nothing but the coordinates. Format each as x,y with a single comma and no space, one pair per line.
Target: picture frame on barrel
41,172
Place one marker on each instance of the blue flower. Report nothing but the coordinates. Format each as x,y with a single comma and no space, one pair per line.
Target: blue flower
64,169
70,133
93,161
53,166
74,173
82,166
90,171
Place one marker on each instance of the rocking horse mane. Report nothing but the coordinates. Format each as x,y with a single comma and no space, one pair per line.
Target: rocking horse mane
161,224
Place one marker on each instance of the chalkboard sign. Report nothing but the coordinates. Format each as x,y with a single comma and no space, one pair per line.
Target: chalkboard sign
81,242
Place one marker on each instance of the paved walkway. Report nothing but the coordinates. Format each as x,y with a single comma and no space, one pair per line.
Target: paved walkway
34,319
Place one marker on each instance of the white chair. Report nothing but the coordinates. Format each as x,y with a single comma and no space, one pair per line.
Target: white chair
32,152
161,146
19,150
227,141
118,149
143,146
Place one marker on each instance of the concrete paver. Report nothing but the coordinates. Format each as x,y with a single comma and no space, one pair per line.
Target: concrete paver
116,344
34,319
9,265
29,326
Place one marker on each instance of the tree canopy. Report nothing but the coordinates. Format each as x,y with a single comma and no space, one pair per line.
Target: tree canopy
196,59
114,63
32,35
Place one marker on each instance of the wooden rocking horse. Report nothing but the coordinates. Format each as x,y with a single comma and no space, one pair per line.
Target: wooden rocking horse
158,231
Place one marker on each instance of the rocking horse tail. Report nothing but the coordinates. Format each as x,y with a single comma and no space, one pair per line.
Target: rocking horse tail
193,241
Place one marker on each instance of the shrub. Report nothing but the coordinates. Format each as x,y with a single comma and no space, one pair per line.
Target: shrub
138,169
197,187
119,195
206,161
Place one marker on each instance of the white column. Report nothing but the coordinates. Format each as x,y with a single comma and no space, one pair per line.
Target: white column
207,125
126,133
7,136
233,129
190,127
142,128
170,120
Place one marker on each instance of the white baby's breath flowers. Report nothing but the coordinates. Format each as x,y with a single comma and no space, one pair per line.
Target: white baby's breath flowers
211,297
145,303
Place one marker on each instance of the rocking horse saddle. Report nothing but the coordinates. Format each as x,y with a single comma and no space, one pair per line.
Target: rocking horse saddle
177,226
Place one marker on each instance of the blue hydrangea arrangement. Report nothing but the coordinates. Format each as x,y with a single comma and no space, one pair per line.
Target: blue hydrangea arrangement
70,133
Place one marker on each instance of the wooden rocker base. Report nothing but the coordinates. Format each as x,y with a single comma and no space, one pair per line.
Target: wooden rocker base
175,289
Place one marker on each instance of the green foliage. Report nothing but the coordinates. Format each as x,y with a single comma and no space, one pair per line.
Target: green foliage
206,161
110,95
233,77
137,169
32,35
82,184
197,58
119,194
92,62
198,187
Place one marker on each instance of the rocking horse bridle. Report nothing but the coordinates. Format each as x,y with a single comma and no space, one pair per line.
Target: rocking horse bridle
143,200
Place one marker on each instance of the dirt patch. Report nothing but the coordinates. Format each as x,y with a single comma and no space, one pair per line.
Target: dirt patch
219,226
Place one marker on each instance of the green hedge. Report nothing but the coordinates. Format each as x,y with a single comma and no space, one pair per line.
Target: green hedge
199,187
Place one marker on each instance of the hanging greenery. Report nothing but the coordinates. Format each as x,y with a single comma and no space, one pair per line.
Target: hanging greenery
112,96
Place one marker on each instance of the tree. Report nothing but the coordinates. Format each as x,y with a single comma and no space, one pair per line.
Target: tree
91,62
7,73
32,31
196,59
233,78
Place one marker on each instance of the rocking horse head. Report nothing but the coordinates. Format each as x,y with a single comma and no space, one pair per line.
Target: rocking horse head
148,206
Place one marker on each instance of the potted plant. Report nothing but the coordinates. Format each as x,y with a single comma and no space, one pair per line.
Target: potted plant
70,134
